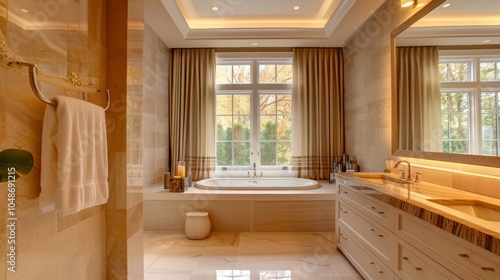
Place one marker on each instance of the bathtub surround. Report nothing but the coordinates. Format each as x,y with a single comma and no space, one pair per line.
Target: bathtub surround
243,210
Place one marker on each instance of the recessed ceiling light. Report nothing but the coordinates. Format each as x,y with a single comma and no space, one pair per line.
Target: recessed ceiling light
407,3
24,11
419,5
215,8
255,44
446,5
486,41
296,7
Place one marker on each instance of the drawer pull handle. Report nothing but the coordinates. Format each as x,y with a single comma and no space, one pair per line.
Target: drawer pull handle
485,268
343,237
378,270
374,209
343,211
488,268
416,268
342,191
373,230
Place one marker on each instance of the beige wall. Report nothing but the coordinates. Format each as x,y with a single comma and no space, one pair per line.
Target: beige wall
48,246
368,107
103,40
154,108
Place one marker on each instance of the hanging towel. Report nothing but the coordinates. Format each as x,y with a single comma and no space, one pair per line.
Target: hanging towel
74,169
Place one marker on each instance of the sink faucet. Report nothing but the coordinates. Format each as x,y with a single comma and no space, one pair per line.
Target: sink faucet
408,176
254,170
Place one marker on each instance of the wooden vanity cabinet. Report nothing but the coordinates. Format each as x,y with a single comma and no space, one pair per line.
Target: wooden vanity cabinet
383,242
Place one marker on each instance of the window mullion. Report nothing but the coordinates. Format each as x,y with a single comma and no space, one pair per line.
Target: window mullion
254,111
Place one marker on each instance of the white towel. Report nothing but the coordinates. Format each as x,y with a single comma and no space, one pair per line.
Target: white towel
74,169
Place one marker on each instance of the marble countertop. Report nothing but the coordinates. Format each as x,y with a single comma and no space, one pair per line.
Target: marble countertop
483,233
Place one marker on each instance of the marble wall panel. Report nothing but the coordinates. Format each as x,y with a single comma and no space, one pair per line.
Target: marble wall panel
48,245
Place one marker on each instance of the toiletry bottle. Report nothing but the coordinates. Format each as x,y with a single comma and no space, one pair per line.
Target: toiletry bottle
333,170
166,179
189,179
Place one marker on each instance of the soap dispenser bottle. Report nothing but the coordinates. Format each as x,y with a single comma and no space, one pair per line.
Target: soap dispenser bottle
166,178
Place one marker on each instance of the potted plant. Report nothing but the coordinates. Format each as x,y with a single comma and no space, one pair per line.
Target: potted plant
15,162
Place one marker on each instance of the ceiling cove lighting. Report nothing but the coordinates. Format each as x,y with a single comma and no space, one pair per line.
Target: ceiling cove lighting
407,3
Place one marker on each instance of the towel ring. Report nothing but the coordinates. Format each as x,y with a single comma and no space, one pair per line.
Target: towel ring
34,85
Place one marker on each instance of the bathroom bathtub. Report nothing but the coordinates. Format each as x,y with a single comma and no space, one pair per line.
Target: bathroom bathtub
257,184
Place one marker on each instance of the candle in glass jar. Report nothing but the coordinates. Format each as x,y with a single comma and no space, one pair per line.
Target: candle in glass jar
181,169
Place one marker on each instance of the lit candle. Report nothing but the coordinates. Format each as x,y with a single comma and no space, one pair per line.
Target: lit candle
181,169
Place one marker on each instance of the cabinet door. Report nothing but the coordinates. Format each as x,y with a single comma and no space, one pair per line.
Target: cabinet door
376,237
439,243
378,211
412,264
367,264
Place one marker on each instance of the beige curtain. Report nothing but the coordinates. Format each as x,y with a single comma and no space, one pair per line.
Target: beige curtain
419,99
318,111
192,110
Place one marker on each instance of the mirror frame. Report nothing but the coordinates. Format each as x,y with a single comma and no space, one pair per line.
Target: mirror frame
457,158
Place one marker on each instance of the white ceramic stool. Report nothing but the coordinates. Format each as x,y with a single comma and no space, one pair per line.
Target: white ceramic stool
197,225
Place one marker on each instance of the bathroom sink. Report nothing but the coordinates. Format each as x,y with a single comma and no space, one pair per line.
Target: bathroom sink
475,208
381,178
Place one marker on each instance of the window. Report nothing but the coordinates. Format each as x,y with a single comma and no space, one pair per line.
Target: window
470,89
254,112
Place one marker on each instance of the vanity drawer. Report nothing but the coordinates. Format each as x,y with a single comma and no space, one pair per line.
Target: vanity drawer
481,263
377,237
366,263
378,211
412,264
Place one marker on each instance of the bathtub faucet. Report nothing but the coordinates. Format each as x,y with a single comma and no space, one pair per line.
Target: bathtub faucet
255,172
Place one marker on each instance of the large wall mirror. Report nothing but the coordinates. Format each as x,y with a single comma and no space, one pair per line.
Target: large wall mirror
446,83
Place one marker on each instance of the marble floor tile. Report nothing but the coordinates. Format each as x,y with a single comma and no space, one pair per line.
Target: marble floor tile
245,256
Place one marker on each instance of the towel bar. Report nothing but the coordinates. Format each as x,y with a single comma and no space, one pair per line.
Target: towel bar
34,86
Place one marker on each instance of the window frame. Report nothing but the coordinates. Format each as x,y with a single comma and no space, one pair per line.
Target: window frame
255,88
475,85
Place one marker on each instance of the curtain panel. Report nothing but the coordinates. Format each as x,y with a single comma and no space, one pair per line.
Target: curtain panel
419,99
192,110
318,111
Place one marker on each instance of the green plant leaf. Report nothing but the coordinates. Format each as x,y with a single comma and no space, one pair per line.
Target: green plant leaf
22,161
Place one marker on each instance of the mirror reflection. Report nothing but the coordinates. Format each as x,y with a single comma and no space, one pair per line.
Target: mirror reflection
448,80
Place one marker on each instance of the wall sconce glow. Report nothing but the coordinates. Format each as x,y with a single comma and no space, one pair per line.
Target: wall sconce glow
215,8
407,3
296,7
